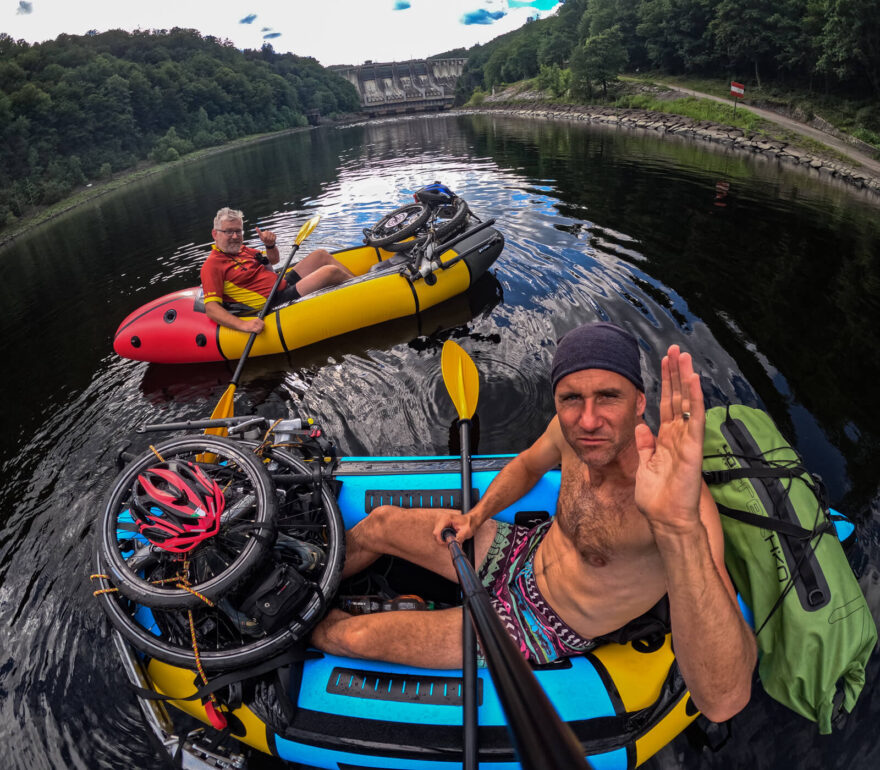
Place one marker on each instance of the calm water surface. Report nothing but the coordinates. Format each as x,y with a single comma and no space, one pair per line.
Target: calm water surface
769,277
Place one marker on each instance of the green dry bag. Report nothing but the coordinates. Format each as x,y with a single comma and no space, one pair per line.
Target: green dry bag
814,628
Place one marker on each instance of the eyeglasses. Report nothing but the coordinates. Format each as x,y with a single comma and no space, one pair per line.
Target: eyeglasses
230,233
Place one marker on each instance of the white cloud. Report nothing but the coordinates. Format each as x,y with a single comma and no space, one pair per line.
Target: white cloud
332,31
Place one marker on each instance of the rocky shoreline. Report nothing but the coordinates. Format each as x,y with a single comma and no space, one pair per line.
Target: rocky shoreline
687,127
535,108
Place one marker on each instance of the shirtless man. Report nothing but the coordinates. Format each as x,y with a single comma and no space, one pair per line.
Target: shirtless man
234,272
634,521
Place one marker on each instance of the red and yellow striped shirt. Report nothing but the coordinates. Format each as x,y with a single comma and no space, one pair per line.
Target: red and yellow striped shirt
241,278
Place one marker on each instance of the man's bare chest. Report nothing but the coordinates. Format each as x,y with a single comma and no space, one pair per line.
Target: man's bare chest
603,525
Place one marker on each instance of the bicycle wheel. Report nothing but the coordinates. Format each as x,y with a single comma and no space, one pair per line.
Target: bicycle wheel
449,221
399,224
308,518
158,578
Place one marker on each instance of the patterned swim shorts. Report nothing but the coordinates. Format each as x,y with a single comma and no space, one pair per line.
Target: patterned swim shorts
508,575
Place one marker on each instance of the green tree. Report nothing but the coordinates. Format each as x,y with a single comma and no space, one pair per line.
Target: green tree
116,120
745,30
554,79
676,33
601,15
600,60
850,41
520,60
492,70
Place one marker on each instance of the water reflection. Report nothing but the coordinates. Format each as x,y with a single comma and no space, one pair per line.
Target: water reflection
775,293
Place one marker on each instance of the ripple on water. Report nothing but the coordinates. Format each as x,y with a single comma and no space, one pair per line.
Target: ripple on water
585,240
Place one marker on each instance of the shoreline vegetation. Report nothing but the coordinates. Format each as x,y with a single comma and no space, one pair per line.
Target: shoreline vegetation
88,193
752,134
96,108
80,111
685,113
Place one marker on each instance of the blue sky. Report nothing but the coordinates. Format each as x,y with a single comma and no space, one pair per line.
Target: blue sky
332,31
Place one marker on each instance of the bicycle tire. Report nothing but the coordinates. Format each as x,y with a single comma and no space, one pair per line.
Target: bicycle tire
401,247
251,555
122,612
390,228
443,229
455,224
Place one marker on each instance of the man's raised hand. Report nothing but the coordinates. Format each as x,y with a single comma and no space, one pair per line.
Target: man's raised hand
668,480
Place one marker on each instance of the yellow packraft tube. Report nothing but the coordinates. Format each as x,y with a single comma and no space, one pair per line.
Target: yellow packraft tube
383,290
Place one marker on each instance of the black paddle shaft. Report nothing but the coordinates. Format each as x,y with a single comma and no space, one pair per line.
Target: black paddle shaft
540,737
470,715
261,315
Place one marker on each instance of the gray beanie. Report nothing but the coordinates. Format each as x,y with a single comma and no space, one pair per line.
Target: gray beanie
597,346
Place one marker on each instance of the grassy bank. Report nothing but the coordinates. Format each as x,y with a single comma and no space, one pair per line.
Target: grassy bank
627,92
705,109
858,118
692,107
652,93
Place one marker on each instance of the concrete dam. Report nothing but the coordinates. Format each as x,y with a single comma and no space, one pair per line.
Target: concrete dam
418,85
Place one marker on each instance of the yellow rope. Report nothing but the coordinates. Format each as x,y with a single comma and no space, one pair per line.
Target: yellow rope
100,576
181,583
199,667
195,646
205,599
156,452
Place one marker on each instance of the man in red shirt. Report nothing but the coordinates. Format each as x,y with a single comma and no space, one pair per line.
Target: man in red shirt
234,272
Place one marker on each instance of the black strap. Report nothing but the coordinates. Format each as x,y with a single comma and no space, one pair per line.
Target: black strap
703,734
806,573
289,682
293,655
317,481
777,525
771,472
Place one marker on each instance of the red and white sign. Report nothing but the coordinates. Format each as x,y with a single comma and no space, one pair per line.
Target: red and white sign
737,89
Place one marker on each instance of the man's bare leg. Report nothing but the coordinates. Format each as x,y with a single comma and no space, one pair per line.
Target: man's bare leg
319,270
428,639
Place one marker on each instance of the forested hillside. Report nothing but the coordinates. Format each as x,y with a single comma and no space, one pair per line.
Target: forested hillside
821,45
78,108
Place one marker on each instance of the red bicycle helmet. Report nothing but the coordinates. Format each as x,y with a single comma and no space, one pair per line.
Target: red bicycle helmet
176,505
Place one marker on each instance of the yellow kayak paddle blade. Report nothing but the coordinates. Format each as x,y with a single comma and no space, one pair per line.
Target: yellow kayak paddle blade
461,379
225,408
306,230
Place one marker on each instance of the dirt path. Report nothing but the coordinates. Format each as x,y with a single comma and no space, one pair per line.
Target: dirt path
801,128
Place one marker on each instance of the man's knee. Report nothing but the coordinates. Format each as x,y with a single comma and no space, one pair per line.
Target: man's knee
337,273
397,531
327,275
337,635
374,531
